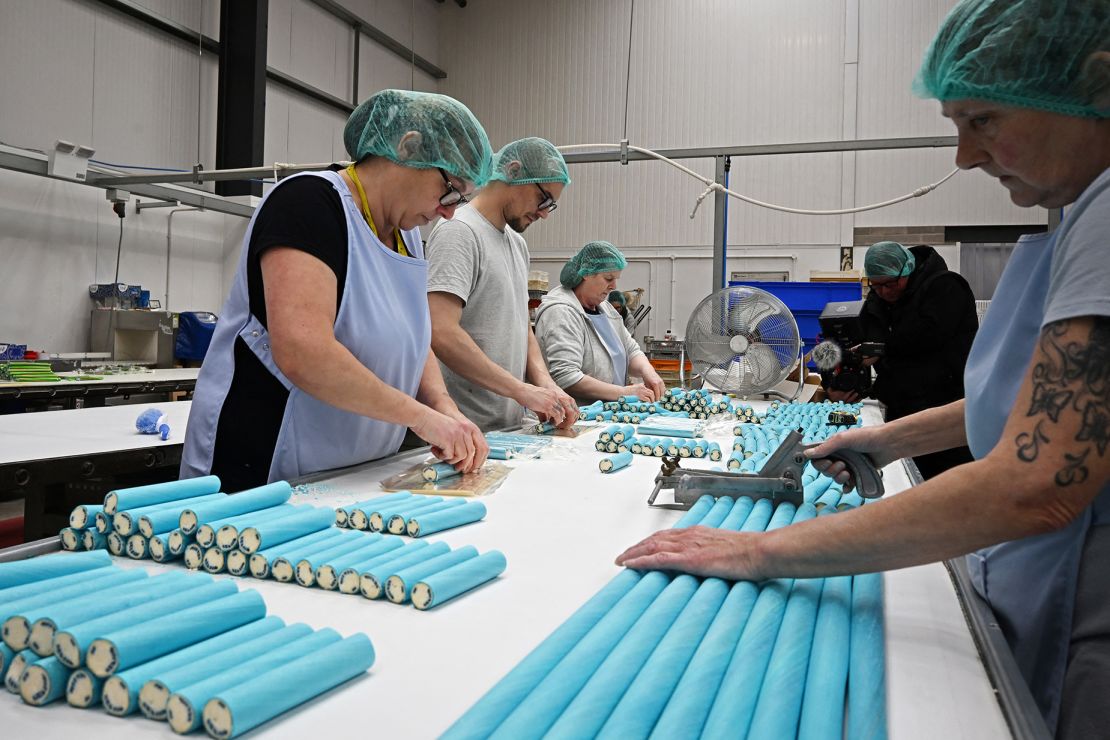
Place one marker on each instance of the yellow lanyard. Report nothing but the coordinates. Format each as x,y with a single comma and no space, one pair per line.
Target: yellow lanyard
398,241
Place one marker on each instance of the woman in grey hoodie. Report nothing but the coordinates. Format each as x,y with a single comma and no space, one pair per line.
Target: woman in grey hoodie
588,350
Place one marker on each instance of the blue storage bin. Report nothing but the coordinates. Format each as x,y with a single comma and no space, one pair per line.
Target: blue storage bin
806,301
194,334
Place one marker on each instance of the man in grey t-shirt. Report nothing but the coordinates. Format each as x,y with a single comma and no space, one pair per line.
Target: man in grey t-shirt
478,293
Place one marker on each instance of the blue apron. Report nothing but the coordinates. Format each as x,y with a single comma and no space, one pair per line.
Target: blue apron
383,320
1030,583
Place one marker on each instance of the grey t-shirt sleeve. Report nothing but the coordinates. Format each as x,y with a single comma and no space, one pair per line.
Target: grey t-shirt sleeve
453,260
1080,279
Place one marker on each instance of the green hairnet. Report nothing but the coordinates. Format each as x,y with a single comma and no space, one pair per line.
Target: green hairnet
593,258
1029,53
888,259
618,297
539,161
450,137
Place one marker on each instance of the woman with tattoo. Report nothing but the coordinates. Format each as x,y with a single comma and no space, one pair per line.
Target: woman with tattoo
1027,85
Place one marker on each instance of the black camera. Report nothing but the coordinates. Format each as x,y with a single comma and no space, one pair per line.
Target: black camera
842,365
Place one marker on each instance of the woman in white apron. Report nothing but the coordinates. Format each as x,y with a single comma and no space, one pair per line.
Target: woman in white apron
1027,84
321,355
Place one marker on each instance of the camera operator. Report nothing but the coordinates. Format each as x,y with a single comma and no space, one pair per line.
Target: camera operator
924,315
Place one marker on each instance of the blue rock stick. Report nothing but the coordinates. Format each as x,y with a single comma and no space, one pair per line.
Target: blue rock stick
209,533
165,518
421,525
305,569
328,574
120,650
43,623
696,513
155,693
441,587
613,463
739,690
16,593
287,528
823,711
537,712
643,702
244,707
32,570
83,689
126,521
360,514
262,497
124,692
44,682
867,665
586,714
97,581
70,645
183,710
284,567
157,493
398,523
261,562
380,515
351,576
83,516
372,579
490,711
398,586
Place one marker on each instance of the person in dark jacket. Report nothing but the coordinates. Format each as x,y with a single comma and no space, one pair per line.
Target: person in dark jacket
925,316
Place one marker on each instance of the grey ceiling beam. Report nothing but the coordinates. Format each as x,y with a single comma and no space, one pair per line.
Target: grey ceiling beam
381,37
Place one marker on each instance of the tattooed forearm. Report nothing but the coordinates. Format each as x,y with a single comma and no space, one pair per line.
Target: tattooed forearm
1071,376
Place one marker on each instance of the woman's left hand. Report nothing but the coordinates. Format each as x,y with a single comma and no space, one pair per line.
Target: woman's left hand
702,551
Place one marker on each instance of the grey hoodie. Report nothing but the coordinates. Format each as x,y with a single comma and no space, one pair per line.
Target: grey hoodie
570,343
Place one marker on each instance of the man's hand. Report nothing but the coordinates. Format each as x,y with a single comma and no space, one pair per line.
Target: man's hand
702,551
545,402
569,407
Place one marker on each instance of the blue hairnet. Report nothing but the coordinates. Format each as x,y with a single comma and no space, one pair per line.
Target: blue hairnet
1041,54
593,258
888,259
530,160
449,136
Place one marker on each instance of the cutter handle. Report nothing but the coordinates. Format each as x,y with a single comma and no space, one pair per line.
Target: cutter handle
865,474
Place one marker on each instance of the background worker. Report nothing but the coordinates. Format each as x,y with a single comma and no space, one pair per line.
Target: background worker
478,293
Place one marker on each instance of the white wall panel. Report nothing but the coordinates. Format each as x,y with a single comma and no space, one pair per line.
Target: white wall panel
379,69
55,101
894,35
322,51
279,32
193,14
969,198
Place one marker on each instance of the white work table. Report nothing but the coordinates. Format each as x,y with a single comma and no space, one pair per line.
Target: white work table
560,523
93,392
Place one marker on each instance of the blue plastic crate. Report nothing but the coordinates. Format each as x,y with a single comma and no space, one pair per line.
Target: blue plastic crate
807,300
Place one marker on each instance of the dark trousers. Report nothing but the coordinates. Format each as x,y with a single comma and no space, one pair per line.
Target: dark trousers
934,463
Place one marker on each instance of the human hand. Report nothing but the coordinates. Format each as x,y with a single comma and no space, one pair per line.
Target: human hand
701,551
570,408
641,391
871,440
653,381
545,402
454,439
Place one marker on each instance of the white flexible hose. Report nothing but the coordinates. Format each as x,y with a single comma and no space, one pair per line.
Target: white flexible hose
712,187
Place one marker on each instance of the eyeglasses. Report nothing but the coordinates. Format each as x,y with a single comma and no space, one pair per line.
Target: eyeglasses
547,203
885,284
452,197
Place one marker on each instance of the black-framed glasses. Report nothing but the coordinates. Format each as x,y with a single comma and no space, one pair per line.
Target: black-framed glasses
452,197
547,203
